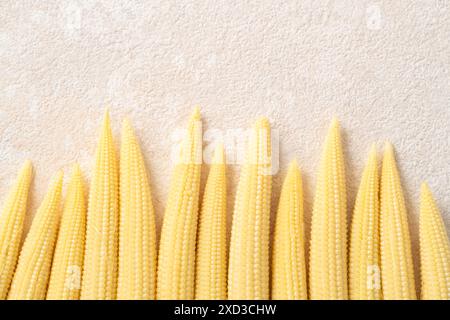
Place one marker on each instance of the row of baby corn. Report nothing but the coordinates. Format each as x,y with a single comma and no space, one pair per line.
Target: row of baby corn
106,249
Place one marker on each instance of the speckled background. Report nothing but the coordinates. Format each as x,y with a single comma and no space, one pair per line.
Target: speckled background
382,67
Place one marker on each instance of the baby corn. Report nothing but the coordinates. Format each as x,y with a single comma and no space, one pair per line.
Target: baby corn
434,250
211,276
33,269
248,273
328,250
365,274
99,280
65,277
397,271
11,227
137,243
288,266
176,260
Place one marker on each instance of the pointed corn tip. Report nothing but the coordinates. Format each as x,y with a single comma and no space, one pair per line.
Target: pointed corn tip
388,147
424,188
219,154
335,122
27,165
106,120
76,169
388,151
373,148
293,168
26,169
76,175
333,134
293,165
106,113
262,122
57,178
373,152
106,129
196,114
127,127
334,129
126,122
426,198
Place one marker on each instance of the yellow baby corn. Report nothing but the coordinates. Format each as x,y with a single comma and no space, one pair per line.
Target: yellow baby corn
176,264
434,250
365,274
397,271
33,269
11,227
248,273
65,277
288,266
211,277
328,250
102,231
137,242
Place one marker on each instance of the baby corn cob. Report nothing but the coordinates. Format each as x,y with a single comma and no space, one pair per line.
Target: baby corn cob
211,280
328,250
33,269
65,277
248,274
365,274
11,227
176,264
100,260
397,271
137,242
434,250
288,266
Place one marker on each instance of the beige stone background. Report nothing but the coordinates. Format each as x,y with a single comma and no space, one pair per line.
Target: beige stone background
381,67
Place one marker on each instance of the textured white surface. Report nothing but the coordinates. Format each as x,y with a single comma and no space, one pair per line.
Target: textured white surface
382,67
